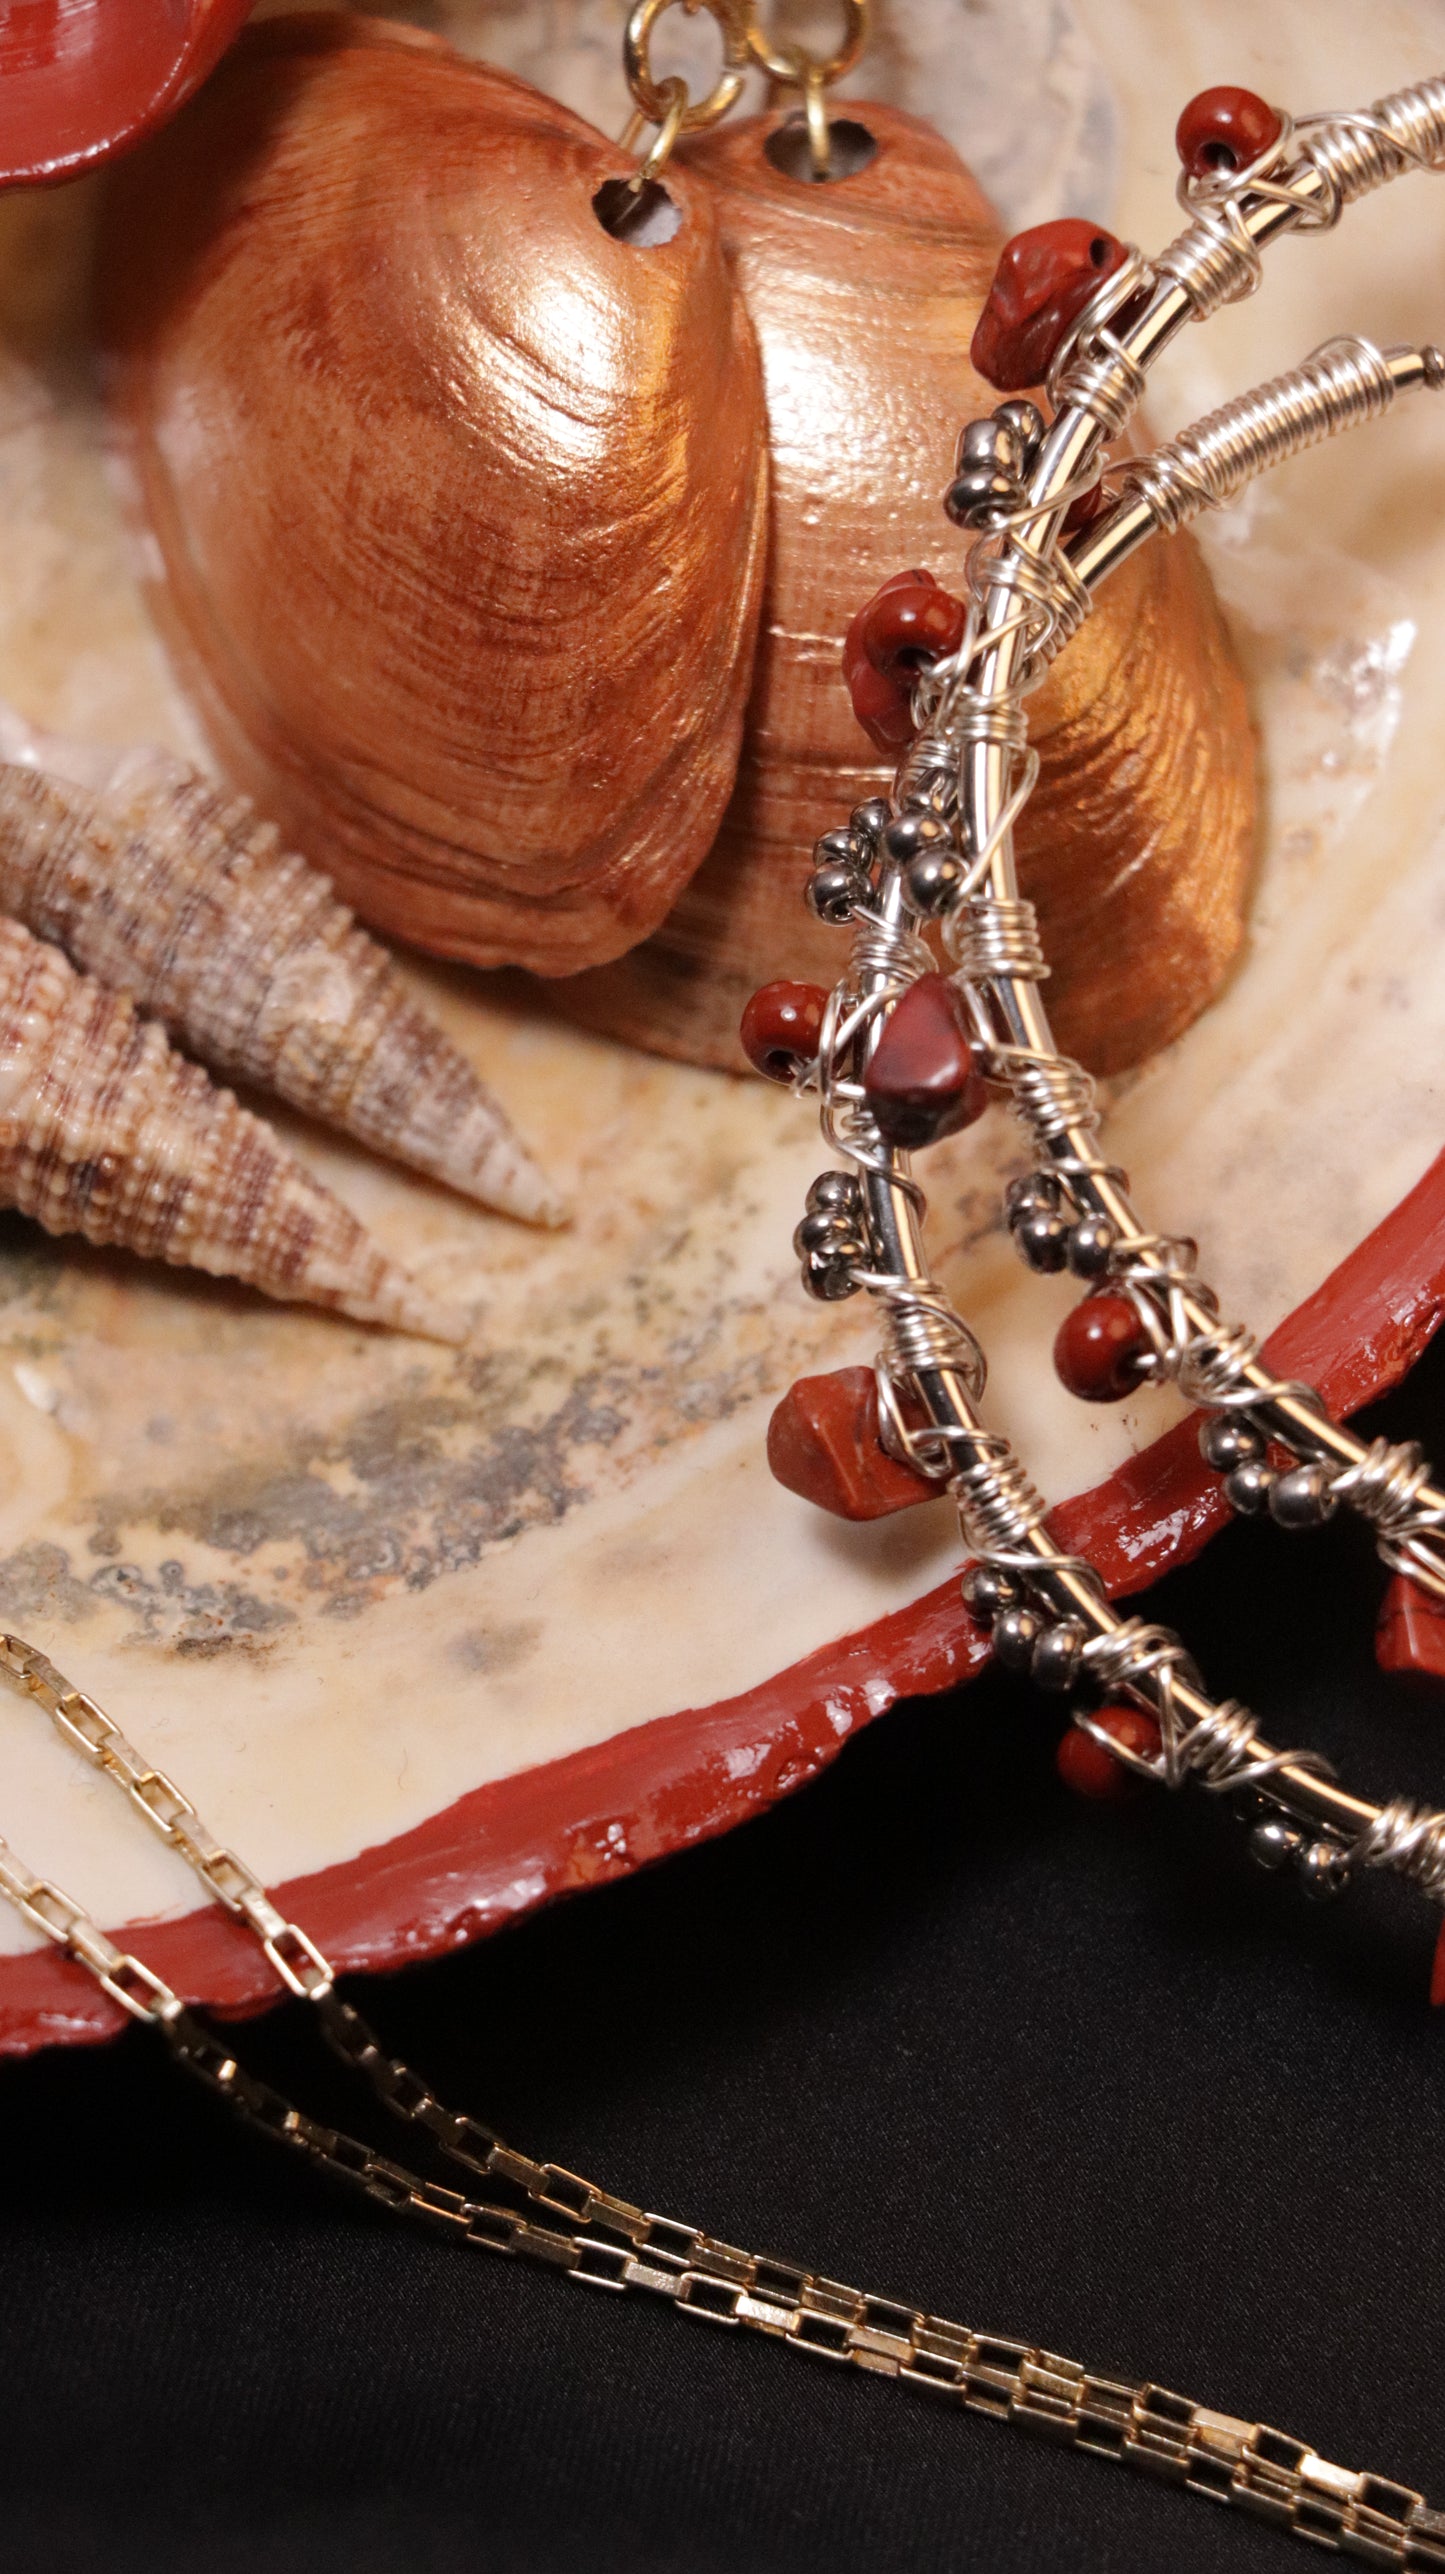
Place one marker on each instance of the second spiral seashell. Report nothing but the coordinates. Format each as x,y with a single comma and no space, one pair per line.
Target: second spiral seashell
182,897
106,1132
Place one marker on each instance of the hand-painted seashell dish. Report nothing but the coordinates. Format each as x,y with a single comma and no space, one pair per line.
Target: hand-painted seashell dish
432,573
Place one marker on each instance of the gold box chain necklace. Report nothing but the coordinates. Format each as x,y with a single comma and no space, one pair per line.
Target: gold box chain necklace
543,2212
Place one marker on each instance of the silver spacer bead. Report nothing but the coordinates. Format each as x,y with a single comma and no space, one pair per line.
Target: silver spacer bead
911,833
1023,425
829,1278
1324,1870
1275,1842
931,880
1247,1489
833,1193
987,1589
1091,1246
1057,1654
1303,1497
869,821
832,891
1230,1439
1026,1195
1016,1632
1042,1239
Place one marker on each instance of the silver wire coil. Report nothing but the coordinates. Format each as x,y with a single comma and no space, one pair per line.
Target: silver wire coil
1355,152
1339,386
987,936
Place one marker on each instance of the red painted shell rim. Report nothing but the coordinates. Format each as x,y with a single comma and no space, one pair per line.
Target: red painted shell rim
523,1840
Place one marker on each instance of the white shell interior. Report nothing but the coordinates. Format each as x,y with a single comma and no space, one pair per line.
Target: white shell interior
330,1580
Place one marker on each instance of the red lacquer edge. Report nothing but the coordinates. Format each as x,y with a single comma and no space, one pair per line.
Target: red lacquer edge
30,164
658,1787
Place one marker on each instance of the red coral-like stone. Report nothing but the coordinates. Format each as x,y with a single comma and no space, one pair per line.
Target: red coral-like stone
81,80
824,1444
921,1083
1099,1348
781,1027
1225,129
907,624
1410,1632
1089,1770
1043,281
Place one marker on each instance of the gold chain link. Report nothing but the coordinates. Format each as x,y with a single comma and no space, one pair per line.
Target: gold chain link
606,2242
667,105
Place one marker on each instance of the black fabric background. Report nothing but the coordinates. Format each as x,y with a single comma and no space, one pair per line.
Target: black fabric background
1074,2074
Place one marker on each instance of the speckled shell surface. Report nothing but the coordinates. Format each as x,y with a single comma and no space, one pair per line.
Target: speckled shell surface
106,1132
431,1636
182,897
458,500
1138,842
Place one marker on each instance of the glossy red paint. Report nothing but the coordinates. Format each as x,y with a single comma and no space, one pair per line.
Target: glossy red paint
549,1831
81,80
1410,1634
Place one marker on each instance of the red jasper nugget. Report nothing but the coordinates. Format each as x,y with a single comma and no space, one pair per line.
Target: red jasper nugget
1100,1348
921,1083
824,1444
781,1027
1044,279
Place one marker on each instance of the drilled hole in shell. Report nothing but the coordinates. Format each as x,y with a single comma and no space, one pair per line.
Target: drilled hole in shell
850,149
642,217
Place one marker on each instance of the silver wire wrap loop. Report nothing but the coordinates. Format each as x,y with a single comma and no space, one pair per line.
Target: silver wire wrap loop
972,766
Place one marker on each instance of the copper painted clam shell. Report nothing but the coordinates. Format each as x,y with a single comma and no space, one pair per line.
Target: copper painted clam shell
1138,843
458,499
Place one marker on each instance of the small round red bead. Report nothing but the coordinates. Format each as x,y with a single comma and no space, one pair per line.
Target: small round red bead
1044,279
1225,129
907,624
1099,1348
1088,1769
781,1027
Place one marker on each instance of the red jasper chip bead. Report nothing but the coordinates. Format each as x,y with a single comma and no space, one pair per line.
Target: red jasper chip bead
1043,281
907,624
781,1027
1089,1770
1225,129
1099,1348
921,1083
824,1444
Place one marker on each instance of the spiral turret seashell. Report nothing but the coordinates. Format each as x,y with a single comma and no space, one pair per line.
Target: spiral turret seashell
104,1131
184,898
